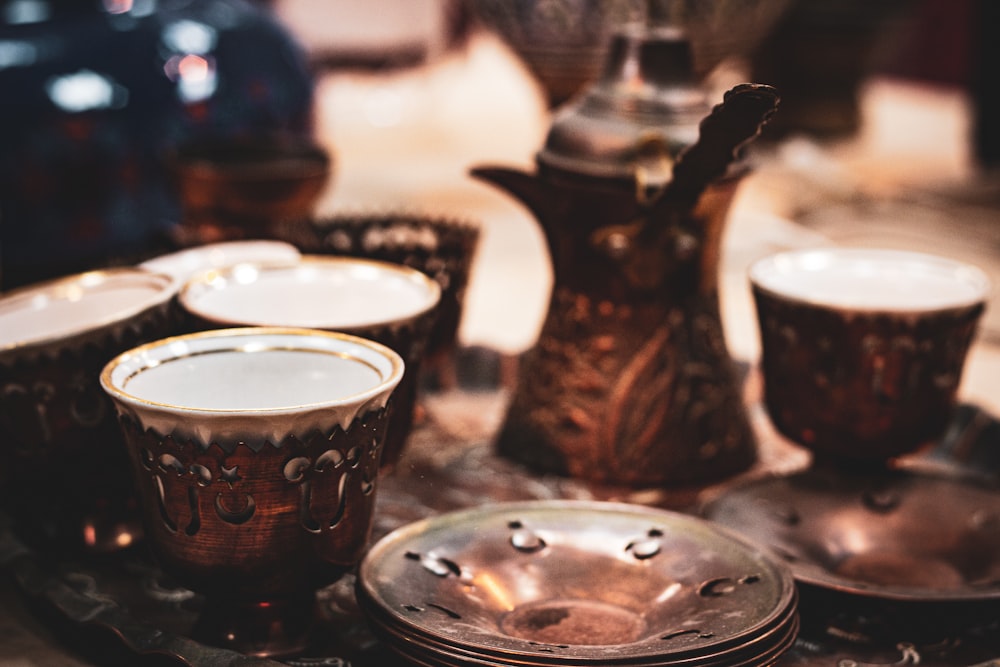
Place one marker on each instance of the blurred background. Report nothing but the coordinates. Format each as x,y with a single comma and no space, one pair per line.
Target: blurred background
886,133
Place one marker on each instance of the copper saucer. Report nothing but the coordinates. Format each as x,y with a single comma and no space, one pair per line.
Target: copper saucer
900,534
576,582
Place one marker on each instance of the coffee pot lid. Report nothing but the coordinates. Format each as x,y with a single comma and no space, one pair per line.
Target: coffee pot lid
638,116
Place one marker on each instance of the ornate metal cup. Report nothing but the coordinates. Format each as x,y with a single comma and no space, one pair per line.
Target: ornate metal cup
863,349
443,248
63,473
255,452
389,303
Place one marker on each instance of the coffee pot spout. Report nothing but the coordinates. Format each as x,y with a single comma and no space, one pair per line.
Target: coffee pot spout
527,188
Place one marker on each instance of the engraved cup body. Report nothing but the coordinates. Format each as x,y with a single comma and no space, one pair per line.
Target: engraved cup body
255,452
863,349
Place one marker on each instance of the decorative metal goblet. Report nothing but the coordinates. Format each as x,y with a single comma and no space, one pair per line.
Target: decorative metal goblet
255,453
863,349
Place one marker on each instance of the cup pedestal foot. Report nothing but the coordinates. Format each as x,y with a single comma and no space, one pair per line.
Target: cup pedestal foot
279,627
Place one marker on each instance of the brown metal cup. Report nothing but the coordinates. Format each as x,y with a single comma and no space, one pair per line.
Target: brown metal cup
443,248
255,454
863,349
63,473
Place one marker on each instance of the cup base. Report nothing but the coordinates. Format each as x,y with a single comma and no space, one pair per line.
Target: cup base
274,628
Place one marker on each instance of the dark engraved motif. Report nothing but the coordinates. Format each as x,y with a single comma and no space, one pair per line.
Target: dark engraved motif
685,633
629,392
330,467
630,381
88,404
212,509
324,482
878,386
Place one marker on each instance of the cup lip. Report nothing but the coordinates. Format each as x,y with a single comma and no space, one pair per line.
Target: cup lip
189,262
214,279
168,287
389,378
966,272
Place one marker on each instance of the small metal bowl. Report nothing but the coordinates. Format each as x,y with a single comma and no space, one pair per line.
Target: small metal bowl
576,582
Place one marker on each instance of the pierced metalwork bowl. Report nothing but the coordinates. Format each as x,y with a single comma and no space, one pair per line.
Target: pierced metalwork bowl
576,582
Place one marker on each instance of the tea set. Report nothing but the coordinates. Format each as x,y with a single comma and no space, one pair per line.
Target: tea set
233,406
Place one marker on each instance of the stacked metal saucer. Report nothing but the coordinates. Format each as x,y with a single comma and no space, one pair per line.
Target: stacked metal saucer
565,582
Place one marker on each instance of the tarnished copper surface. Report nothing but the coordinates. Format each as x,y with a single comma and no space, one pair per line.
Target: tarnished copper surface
631,353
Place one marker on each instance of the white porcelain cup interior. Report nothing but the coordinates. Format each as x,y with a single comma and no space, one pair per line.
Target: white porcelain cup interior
871,279
252,383
317,292
76,304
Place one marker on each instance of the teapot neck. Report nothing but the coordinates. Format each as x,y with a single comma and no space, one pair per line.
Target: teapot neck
639,116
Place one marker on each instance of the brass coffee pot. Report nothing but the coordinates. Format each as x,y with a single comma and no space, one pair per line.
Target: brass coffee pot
630,381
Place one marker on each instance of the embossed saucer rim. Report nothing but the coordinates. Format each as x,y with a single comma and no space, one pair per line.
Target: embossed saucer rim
382,585
813,573
775,642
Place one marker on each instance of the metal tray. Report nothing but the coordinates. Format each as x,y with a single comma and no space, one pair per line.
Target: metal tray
121,609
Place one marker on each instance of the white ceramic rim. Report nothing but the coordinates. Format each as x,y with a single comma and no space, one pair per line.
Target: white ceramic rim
167,287
971,275
216,280
387,363
253,426
187,263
